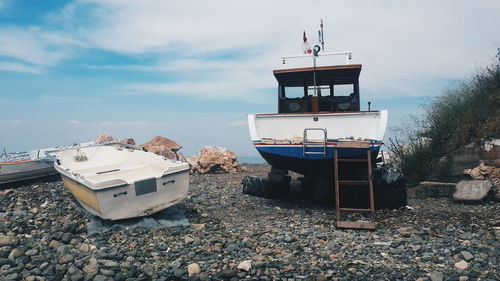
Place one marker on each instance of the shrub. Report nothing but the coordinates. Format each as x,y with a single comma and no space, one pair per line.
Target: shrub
461,115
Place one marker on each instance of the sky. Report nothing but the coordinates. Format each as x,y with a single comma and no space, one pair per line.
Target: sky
192,70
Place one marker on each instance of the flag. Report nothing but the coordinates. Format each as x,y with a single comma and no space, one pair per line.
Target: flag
304,37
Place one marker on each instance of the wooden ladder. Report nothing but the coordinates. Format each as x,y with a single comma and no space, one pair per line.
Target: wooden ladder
357,224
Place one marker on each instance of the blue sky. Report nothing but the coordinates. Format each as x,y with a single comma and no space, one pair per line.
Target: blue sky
192,70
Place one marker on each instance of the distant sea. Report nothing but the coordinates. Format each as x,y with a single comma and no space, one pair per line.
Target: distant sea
251,159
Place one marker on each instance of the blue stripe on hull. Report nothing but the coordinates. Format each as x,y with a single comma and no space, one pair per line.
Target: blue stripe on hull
298,152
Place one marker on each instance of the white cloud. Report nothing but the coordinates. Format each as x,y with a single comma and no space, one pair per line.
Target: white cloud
396,41
33,45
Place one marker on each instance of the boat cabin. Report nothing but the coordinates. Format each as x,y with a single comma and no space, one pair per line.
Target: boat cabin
320,89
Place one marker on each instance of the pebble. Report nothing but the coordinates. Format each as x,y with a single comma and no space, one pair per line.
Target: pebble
291,239
467,255
461,265
66,258
100,278
437,276
7,240
245,265
14,254
31,252
193,269
199,226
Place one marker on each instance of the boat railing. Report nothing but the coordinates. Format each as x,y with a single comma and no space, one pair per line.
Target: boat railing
135,147
346,54
307,143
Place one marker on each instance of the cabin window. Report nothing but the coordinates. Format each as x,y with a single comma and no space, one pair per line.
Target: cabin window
294,92
343,90
321,91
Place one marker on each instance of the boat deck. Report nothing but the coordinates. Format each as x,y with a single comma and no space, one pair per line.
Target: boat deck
97,175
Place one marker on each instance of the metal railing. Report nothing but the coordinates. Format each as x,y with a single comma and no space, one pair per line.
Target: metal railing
306,143
347,54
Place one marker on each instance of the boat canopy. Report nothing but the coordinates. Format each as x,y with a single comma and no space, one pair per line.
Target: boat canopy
325,75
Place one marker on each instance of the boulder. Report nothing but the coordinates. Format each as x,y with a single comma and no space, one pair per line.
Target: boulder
472,190
488,170
160,150
430,189
213,159
105,138
164,142
130,141
164,147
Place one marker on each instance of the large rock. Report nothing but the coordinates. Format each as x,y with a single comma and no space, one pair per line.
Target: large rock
430,189
164,142
160,150
164,147
105,138
213,159
130,141
472,190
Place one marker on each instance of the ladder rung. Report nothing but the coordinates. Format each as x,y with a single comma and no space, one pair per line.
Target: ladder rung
347,182
356,224
353,160
313,152
354,210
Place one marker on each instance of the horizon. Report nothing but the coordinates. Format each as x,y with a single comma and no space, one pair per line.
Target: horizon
71,70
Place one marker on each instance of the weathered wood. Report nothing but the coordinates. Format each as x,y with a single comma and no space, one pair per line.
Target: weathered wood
354,144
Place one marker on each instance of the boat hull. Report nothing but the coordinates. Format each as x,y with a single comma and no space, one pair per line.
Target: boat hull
122,202
25,170
136,184
279,138
292,158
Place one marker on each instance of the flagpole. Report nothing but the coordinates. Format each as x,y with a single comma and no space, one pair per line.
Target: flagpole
322,37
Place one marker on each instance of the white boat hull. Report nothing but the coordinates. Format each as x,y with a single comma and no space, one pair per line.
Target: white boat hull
365,125
279,137
118,184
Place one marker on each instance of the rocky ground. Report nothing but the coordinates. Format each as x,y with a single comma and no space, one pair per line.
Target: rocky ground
235,236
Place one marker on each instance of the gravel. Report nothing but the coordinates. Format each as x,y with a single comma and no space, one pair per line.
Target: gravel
232,236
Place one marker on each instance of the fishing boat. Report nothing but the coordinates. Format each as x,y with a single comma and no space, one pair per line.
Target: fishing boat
119,182
31,164
319,113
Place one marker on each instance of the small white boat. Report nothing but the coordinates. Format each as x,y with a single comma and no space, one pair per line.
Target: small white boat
117,183
31,164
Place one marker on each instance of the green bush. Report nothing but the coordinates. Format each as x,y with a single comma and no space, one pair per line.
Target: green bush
461,115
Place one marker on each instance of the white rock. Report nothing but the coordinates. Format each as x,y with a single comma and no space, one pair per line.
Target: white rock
245,265
188,239
461,265
193,269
